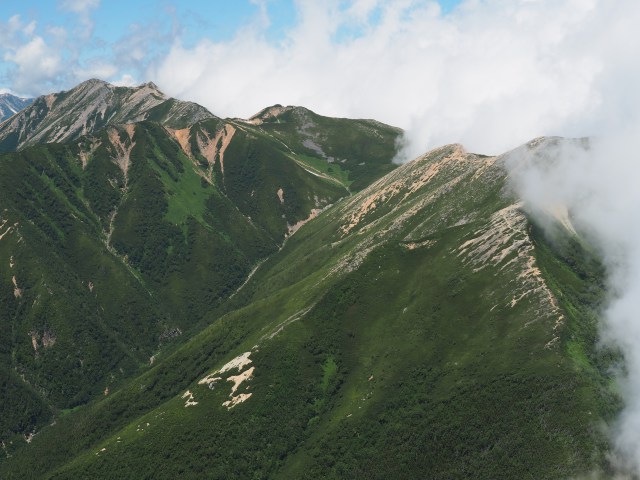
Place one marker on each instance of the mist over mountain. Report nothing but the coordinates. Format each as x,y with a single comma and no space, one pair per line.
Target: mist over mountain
273,297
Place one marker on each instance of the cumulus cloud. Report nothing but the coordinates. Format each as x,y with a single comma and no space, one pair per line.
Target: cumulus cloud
40,59
35,62
30,60
598,186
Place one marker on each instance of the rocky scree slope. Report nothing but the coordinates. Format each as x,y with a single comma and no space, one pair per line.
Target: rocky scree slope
94,104
10,105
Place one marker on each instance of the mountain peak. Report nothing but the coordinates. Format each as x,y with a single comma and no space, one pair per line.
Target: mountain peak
94,81
268,114
12,104
90,106
150,85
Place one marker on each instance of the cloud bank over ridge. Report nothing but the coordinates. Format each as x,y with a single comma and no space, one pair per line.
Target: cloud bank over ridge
491,74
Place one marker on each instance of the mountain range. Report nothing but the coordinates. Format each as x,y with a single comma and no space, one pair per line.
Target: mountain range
10,105
273,297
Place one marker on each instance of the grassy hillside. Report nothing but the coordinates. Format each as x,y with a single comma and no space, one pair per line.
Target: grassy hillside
353,152
115,247
421,328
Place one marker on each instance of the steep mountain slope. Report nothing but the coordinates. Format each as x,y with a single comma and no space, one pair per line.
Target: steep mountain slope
10,105
336,141
114,246
422,328
92,105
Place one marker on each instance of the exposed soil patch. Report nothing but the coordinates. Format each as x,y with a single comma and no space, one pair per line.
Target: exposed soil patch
122,149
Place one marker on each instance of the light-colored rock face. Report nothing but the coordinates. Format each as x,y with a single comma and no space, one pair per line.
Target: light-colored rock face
445,189
268,114
189,402
6,228
210,146
213,149
296,226
121,148
42,339
238,363
416,189
504,243
10,105
17,291
90,106
183,137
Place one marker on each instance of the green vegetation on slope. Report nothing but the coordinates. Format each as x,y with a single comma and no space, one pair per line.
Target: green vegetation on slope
117,247
412,339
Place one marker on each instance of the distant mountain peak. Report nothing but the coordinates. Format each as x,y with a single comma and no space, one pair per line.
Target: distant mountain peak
269,114
12,104
150,85
90,106
94,81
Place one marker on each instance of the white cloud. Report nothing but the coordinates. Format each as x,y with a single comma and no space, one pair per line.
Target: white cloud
11,31
79,6
600,187
95,69
57,56
35,62
126,80
83,9
492,74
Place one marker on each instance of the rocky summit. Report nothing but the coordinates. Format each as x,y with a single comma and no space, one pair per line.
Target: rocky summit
10,105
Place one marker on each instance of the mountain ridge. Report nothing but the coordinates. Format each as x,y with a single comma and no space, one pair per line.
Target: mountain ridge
93,104
11,104
423,314
276,299
120,241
